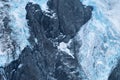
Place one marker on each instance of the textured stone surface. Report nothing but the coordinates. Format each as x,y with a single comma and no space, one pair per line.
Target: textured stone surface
42,60
115,74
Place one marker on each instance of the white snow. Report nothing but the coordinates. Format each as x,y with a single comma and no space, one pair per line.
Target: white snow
36,40
20,65
100,39
20,29
19,22
5,41
64,47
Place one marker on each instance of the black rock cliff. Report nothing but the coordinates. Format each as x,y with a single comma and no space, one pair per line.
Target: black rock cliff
42,60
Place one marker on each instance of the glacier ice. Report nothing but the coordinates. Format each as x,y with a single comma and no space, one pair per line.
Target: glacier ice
100,39
20,30
19,22
6,46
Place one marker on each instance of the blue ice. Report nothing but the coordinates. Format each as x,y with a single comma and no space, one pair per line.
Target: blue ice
100,38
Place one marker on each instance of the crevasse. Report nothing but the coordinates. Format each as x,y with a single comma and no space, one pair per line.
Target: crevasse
100,37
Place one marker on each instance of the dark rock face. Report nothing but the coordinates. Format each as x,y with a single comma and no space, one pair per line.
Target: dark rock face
71,15
42,60
115,74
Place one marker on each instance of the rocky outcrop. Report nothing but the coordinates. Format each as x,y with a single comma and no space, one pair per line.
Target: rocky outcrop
71,15
115,73
42,60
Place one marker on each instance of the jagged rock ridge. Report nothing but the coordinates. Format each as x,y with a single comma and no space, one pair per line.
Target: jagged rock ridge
42,60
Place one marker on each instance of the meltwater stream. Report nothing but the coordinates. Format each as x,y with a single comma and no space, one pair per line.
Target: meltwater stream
100,39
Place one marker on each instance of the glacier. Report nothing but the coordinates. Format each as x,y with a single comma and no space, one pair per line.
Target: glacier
19,22
100,38
6,46
20,30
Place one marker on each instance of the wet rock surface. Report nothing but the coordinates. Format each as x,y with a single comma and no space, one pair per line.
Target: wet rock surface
41,60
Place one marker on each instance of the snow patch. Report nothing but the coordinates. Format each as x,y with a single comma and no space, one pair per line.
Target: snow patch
36,40
64,47
20,29
20,65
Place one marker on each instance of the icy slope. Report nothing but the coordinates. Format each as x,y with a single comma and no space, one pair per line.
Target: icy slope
19,22
12,43
100,38
6,46
48,58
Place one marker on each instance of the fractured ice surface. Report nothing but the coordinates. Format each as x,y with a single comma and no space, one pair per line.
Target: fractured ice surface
100,38
6,46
